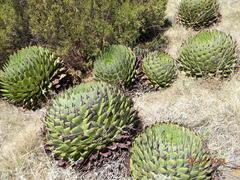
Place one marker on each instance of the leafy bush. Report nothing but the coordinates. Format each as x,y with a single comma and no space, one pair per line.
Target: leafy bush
14,28
83,28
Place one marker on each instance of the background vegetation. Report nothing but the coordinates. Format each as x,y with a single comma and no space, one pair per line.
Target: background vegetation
210,107
14,27
77,30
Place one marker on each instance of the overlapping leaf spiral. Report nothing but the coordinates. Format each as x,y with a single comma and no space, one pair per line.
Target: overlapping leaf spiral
86,118
160,69
169,151
198,13
209,53
115,65
26,77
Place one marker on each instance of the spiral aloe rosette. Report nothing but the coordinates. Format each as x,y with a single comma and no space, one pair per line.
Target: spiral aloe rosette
115,65
160,69
198,13
26,77
87,118
169,151
209,53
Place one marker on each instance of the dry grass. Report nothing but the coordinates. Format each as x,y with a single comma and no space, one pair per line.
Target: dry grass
210,107
21,151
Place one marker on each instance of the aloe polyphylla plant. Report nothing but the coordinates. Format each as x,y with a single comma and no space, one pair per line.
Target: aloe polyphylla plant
115,65
86,119
169,151
160,69
208,53
198,13
27,76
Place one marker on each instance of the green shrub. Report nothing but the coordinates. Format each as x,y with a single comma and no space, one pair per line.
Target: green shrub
83,28
14,28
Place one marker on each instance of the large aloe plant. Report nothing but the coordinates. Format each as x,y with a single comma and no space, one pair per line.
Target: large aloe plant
115,65
87,118
27,76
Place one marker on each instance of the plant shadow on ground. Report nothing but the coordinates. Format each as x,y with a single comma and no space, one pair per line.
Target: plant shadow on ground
153,39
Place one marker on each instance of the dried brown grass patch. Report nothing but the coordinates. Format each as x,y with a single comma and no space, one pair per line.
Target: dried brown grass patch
21,151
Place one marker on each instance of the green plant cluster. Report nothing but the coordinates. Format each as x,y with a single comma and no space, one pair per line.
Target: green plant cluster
160,69
116,65
27,76
208,53
85,119
165,150
78,30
